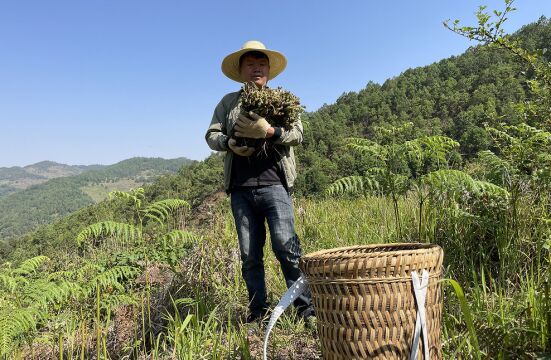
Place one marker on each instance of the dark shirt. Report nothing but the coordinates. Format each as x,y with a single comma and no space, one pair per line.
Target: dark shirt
259,169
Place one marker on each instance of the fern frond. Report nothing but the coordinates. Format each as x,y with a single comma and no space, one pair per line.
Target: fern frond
31,265
108,229
450,180
392,132
87,270
112,277
448,183
435,146
366,147
44,292
360,142
496,167
345,185
69,288
15,322
524,131
113,301
455,182
8,282
540,138
61,275
502,138
136,195
352,184
377,171
161,210
180,236
399,184
491,190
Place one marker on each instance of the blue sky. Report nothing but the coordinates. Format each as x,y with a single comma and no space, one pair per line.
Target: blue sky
97,82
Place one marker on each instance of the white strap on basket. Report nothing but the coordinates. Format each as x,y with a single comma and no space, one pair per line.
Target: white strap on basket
420,290
294,292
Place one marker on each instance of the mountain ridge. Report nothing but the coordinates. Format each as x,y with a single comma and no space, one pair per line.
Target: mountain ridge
47,199
18,178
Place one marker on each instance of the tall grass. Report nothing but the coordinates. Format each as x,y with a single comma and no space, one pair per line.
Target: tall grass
344,222
504,273
199,313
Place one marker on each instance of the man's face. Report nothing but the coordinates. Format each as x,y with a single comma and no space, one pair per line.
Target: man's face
255,70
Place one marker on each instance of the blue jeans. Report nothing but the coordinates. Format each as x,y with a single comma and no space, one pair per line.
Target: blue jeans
250,207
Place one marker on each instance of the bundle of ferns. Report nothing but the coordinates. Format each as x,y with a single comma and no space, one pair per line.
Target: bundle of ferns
279,107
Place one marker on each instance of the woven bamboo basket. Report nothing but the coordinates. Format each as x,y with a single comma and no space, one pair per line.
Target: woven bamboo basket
365,303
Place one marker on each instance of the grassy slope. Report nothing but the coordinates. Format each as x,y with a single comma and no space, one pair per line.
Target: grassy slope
98,192
212,295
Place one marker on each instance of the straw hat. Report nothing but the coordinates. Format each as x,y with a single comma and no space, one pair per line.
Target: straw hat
230,64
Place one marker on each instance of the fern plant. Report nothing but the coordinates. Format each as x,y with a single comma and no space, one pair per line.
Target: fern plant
25,299
97,232
124,233
134,246
525,152
160,211
520,162
398,165
118,254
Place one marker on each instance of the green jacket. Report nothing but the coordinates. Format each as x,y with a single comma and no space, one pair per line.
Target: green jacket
223,120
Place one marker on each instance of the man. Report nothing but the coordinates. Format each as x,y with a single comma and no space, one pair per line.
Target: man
259,182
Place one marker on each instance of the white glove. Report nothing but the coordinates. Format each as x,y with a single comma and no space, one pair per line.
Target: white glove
240,150
255,127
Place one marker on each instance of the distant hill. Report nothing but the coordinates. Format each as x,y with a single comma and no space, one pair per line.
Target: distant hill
13,179
39,193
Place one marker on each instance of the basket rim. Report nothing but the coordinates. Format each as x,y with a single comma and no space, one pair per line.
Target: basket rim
340,253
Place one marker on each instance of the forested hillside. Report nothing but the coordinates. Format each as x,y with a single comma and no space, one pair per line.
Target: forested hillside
15,178
454,97
40,204
193,182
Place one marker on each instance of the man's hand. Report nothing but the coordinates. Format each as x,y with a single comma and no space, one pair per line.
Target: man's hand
255,127
240,150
